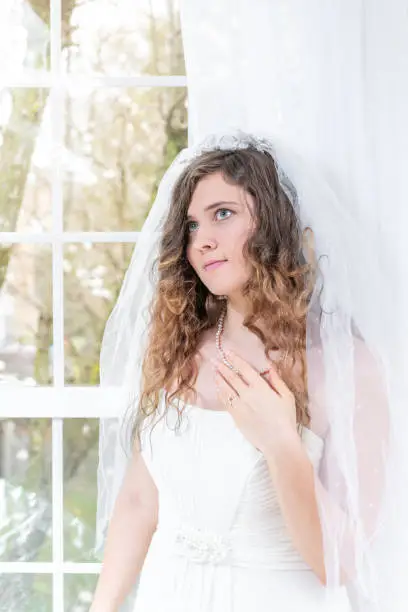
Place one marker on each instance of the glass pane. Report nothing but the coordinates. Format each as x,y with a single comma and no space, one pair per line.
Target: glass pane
78,592
80,467
25,490
93,275
25,144
125,37
24,29
120,144
26,593
25,314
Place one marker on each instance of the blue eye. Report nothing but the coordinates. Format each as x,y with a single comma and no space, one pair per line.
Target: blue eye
189,229
189,225
223,210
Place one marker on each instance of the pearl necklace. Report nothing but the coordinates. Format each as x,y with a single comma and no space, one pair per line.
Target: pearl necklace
218,335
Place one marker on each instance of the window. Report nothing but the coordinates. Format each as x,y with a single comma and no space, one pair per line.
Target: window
93,107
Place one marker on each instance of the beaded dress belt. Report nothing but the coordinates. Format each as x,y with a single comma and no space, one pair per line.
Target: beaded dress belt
203,546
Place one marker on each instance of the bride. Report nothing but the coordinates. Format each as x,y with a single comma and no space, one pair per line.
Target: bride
218,509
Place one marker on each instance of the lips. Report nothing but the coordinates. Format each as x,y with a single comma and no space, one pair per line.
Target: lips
211,265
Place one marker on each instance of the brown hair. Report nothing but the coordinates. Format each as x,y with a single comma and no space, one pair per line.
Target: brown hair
279,288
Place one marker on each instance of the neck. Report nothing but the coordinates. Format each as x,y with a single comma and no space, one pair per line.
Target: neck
236,336
239,338
236,312
234,330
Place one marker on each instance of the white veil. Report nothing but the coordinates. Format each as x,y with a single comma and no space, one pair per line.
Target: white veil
314,88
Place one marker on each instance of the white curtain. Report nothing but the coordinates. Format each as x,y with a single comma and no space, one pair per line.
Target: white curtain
330,80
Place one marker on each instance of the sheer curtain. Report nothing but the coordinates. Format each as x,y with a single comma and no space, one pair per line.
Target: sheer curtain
329,81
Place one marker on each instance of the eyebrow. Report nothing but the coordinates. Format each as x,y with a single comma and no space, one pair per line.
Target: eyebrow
215,205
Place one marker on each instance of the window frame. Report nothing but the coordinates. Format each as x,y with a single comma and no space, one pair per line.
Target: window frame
59,402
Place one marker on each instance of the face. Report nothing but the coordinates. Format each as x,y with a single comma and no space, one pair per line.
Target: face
218,225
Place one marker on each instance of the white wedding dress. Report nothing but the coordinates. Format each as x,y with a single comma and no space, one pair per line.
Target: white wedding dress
221,544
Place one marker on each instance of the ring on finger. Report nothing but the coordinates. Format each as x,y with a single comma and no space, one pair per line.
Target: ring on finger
231,398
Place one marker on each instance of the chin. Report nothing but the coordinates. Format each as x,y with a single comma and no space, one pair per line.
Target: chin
224,288
224,291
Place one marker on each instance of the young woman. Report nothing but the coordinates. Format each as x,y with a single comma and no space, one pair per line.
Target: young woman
217,511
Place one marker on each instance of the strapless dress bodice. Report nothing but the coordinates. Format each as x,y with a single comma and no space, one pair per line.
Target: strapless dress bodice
217,500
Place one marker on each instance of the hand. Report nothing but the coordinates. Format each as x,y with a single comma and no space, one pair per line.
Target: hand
263,409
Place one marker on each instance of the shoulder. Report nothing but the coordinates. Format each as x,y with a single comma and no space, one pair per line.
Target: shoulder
206,350
206,346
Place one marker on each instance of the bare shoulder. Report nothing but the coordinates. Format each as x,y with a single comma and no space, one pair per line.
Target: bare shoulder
206,351
206,347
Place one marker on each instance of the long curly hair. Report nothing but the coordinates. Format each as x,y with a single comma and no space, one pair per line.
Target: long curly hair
279,287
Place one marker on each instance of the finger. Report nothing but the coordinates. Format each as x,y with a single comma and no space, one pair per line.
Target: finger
233,378
224,385
277,382
225,393
250,374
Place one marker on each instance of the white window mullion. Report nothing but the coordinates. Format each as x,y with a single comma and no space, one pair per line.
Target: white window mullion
65,81
57,98
30,567
67,237
57,128
72,402
57,516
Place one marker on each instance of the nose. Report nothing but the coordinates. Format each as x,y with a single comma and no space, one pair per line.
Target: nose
203,240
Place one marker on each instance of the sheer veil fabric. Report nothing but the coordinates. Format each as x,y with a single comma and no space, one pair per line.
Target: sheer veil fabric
326,94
